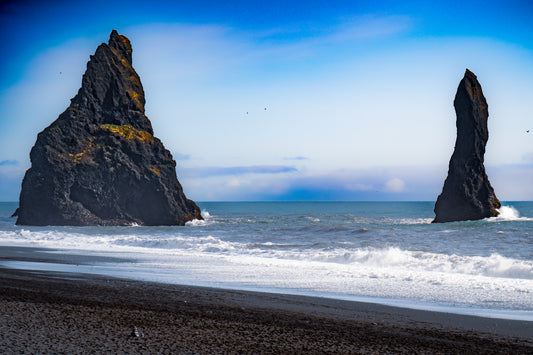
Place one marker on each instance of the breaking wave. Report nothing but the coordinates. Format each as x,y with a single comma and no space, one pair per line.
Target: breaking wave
494,265
508,213
199,222
343,253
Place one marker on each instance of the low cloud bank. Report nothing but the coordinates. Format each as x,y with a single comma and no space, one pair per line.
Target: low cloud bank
280,183
511,183
205,172
9,162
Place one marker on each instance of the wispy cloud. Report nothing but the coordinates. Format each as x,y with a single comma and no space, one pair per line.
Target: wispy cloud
296,158
346,29
9,162
181,51
185,50
302,43
367,27
236,170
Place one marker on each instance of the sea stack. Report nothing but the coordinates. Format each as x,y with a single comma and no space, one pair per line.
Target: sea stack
99,162
467,193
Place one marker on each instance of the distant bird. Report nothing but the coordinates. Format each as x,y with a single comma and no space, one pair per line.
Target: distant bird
246,112
527,131
265,108
60,72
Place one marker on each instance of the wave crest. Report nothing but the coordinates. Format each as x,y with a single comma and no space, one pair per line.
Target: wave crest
508,213
494,265
199,222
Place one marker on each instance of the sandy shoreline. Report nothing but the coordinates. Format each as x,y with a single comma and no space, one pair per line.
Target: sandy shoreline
51,312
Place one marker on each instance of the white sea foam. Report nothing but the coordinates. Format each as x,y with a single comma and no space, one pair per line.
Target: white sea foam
207,220
508,213
413,221
394,221
494,265
196,222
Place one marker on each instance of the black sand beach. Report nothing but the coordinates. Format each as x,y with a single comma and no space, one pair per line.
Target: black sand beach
51,312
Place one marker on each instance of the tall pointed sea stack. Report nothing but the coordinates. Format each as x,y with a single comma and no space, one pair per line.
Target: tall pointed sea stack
467,193
99,162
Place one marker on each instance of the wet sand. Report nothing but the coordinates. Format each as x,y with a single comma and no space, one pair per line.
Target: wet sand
52,312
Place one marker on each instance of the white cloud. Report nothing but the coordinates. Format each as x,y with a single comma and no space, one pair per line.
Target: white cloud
395,185
174,52
370,27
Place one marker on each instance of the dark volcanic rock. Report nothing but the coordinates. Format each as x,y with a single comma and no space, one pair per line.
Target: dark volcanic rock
467,193
99,162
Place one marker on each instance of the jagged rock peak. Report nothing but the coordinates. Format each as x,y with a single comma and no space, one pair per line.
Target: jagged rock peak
120,44
111,88
467,193
99,162
468,73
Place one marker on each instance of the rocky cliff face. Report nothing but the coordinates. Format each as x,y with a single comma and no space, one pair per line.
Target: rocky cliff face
99,162
467,193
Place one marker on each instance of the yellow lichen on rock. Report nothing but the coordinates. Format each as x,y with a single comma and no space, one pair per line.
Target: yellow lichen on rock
156,170
129,132
134,95
84,156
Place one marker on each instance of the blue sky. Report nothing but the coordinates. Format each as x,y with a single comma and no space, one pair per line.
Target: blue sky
277,100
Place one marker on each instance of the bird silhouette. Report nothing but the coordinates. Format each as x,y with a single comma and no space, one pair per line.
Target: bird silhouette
527,131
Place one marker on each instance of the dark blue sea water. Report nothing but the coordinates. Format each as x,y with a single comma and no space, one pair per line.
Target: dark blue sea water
386,252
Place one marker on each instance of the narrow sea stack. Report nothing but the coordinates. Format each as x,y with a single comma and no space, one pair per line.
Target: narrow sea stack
467,193
99,162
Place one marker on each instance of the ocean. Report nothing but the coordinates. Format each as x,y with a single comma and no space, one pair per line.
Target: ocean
380,252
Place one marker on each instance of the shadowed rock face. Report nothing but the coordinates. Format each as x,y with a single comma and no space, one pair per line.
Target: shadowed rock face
467,193
99,162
